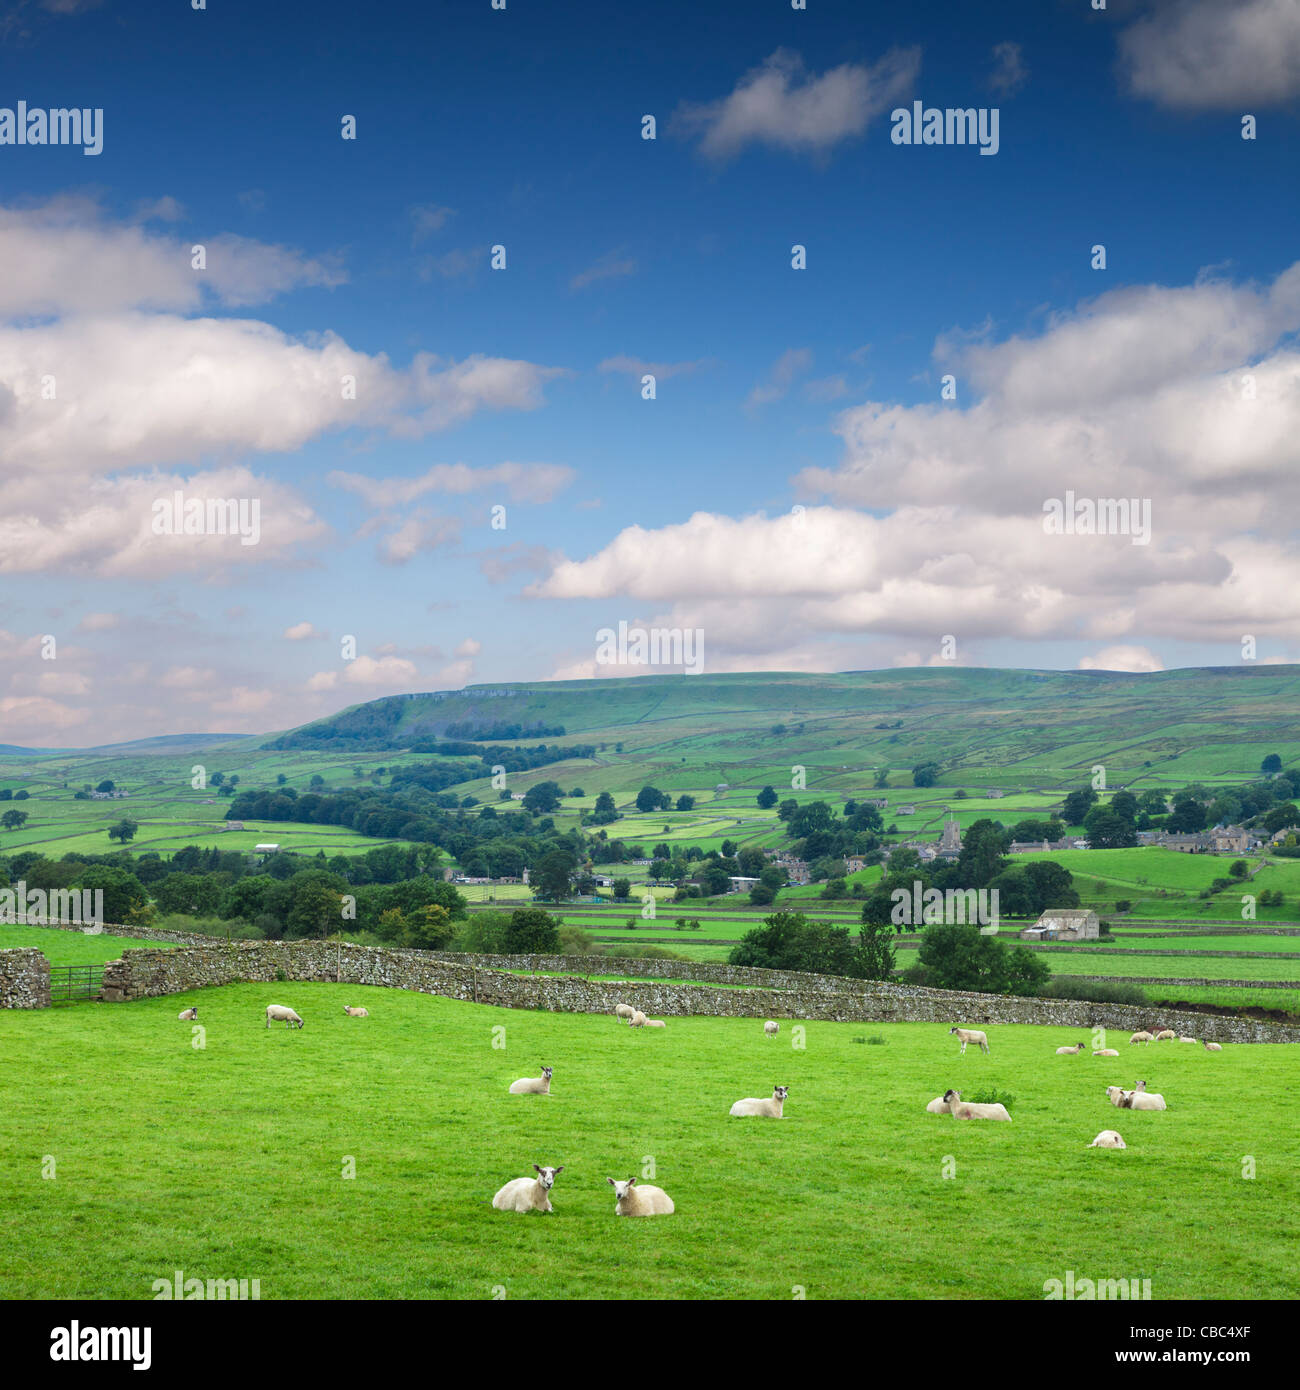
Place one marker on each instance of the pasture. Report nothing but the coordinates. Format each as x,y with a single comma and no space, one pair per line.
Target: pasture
229,1160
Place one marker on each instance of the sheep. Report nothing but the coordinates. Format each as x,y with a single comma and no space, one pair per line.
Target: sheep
623,1011
1165,1033
355,1013
528,1194
655,1023
631,1200
1213,1047
938,1106
970,1035
186,1015
533,1085
972,1110
770,1109
1143,1037
282,1012
1190,1040
1108,1139
771,1029
1106,1052
638,1019
1135,1100
1071,1051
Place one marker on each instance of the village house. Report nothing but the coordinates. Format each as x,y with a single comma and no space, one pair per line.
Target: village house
855,864
1065,924
234,825
908,810
949,846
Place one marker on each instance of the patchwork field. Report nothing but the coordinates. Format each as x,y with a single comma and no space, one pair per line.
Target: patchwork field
228,1161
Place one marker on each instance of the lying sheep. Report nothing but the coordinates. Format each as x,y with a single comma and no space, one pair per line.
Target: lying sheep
355,1013
623,1011
533,1085
638,1019
1108,1139
528,1194
186,1015
938,1106
655,1023
770,1109
973,1110
1106,1052
631,1200
282,1013
1213,1047
970,1035
1143,1037
1190,1040
771,1029
1071,1051
1165,1033
1134,1100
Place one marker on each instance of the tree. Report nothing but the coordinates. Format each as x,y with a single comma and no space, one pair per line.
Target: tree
1188,815
1077,806
428,928
1125,806
982,849
551,874
767,798
622,889
124,830
605,812
542,798
1271,764
124,898
11,820
874,957
280,779
960,957
1106,830
196,895
685,803
316,898
105,786
531,931
1280,817
925,774
651,799
1238,869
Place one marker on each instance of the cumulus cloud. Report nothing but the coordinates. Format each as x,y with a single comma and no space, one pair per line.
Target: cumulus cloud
301,632
521,482
1214,55
1122,659
779,103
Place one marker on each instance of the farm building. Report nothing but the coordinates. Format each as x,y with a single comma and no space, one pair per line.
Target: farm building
1065,924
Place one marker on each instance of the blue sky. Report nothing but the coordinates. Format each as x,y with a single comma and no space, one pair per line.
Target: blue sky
818,387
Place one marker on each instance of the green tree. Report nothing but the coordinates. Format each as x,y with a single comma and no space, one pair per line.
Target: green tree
1271,764
622,888
685,803
12,820
1077,805
125,899
1106,830
532,931
542,798
551,874
124,830
873,958
925,774
767,798
605,812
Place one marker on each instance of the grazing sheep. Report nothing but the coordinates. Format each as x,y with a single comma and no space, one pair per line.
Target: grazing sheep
970,1035
1143,1037
655,1023
1071,1051
1106,1052
533,1085
638,1019
355,1012
186,1015
770,1109
771,1029
1108,1139
623,1011
282,1013
528,1194
1135,1100
1213,1047
1190,1040
972,1110
631,1200
1165,1033
938,1106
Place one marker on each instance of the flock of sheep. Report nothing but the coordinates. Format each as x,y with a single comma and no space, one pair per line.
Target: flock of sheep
276,1013
1139,1098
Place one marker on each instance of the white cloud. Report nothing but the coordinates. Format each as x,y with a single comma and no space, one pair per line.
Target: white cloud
1122,659
792,363
779,103
99,622
301,632
428,218
1009,70
609,267
661,371
1215,54
521,482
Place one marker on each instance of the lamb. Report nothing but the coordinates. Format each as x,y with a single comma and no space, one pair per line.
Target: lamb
1108,1139
1143,1037
972,1110
1106,1052
623,1011
771,1029
282,1013
631,1200
1135,1100
533,1085
1071,1051
938,1106
186,1015
770,1109
970,1035
528,1194
638,1019
355,1013
1213,1047
655,1023
1190,1040
1165,1033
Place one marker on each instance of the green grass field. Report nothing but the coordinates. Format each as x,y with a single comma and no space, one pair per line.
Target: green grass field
70,947
228,1161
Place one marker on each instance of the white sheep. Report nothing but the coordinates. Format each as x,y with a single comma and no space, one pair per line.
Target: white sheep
355,1012
1165,1033
1106,1052
1108,1139
973,1110
655,1023
533,1085
938,1106
1213,1047
638,1019
186,1015
1190,1040
1143,1037
623,1011
281,1013
631,1200
970,1035
771,1029
1071,1051
1135,1100
528,1194
770,1109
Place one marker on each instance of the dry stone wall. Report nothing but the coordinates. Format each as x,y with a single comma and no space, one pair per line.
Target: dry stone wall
146,972
24,979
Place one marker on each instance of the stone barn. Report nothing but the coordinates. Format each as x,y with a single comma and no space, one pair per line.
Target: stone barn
1065,924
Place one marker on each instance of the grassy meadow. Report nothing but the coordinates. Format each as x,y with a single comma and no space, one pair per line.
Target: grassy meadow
227,1160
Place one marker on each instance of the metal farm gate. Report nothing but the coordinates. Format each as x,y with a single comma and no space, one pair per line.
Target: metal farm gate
73,983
